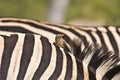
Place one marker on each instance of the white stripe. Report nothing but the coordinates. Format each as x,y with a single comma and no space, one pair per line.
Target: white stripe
15,59
101,29
56,24
86,28
1,48
96,37
49,71
74,68
116,36
35,60
63,73
107,41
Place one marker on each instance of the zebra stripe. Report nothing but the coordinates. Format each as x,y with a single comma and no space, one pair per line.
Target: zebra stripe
30,56
97,63
106,35
113,74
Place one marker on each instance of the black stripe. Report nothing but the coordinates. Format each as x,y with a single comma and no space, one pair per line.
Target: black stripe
91,75
9,43
68,75
15,29
91,35
45,60
112,41
112,72
80,74
101,38
59,64
26,55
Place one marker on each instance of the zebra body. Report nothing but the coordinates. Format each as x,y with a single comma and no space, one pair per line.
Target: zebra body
97,63
22,57
105,35
34,57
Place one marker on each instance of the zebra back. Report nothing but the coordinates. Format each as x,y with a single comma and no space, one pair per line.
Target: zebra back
104,35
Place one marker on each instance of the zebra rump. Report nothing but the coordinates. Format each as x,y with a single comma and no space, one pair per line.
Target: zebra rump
96,62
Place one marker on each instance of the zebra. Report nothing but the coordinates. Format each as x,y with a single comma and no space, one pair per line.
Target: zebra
104,35
34,57
97,63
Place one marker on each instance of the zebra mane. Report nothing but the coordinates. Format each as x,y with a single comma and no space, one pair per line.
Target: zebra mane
96,58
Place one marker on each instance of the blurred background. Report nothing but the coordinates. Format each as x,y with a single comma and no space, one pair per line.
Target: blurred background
82,12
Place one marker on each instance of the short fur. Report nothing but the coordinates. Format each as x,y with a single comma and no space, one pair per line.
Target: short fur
99,61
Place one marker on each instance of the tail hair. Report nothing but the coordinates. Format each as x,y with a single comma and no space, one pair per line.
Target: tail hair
98,59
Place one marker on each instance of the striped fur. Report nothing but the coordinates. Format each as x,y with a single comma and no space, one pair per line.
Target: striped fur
34,57
97,63
107,35
30,56
93,63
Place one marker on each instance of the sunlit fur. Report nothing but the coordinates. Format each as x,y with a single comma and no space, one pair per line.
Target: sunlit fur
106,35
97,62
34,57
90,57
